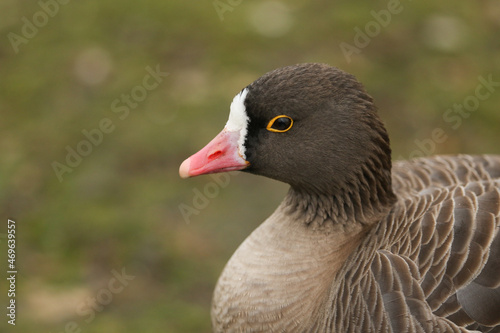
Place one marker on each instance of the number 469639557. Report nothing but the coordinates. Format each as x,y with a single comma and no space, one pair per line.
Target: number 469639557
11,243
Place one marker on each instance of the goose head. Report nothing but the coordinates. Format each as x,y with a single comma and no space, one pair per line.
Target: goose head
312,126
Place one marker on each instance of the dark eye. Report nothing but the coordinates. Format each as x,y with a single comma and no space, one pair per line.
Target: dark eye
280,124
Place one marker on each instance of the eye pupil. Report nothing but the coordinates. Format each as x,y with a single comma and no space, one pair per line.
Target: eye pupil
282,123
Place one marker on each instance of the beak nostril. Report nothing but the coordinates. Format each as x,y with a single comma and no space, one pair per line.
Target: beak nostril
214,155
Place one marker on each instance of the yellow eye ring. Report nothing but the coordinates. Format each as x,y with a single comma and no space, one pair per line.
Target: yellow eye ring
280,124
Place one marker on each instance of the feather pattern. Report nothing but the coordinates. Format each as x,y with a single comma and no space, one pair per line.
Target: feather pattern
433,264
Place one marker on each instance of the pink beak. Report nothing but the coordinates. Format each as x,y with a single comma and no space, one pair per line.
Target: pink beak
219,155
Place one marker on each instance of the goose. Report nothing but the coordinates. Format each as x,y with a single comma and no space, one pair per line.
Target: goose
357,244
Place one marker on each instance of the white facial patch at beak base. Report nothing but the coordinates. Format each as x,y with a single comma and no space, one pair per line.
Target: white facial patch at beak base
238,120
226,152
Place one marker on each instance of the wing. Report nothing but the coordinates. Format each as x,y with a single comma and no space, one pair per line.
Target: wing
435,266
455,249
411,177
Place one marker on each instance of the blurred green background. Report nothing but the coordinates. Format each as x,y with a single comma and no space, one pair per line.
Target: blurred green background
116,210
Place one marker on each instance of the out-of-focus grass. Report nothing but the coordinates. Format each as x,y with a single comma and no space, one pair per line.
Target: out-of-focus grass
119,208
